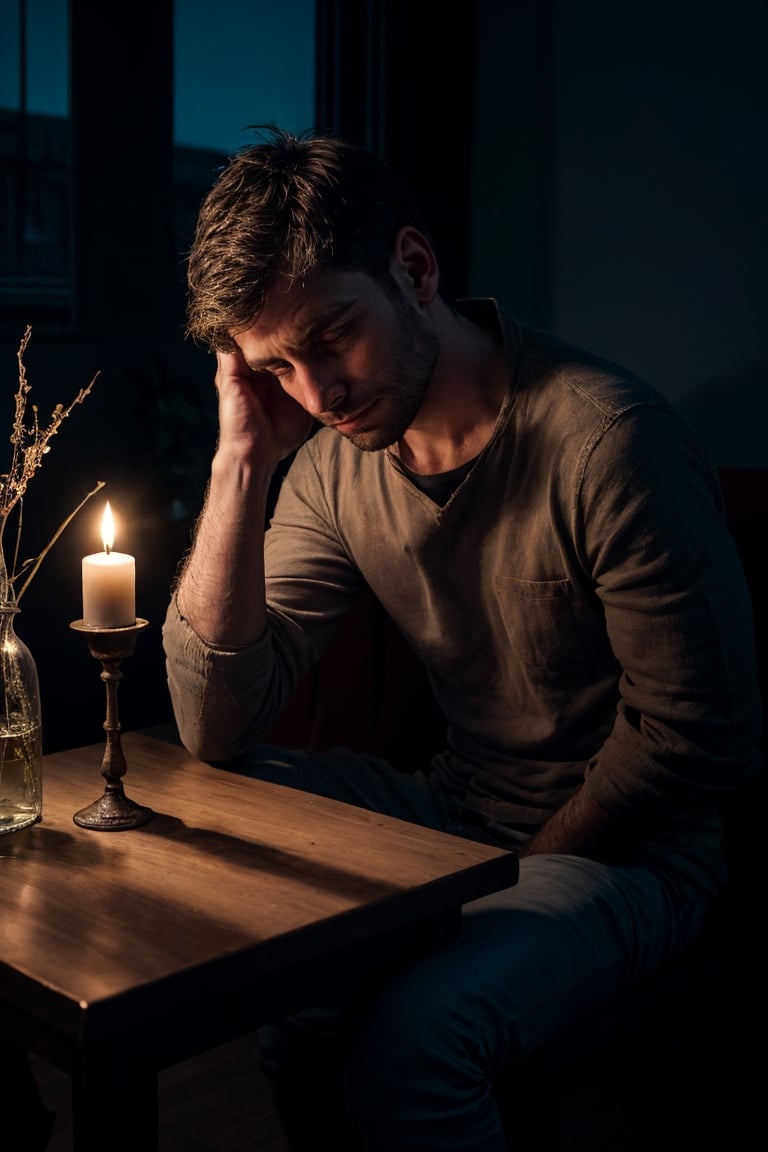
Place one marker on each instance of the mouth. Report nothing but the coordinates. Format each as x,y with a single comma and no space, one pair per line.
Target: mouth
351,424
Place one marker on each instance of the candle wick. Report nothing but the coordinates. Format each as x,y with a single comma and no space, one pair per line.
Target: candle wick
107,549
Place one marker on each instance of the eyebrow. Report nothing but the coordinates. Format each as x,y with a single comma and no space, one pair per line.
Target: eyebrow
324,320
320,323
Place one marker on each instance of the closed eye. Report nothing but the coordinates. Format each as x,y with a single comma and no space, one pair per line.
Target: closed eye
327,342
334,337
279,368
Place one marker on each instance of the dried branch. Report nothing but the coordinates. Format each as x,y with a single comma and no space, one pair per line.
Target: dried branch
37,560
29,443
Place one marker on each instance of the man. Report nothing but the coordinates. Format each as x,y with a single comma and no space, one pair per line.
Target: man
548,536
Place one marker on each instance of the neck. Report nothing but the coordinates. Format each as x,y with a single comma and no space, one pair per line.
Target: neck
463,400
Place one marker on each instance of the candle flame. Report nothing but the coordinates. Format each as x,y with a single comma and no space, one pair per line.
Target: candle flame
108,528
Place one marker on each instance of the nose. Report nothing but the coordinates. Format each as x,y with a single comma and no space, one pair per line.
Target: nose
317,388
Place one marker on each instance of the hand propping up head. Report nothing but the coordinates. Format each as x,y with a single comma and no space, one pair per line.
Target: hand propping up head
255,413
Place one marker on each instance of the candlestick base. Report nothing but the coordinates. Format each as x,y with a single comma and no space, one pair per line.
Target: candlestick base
113,811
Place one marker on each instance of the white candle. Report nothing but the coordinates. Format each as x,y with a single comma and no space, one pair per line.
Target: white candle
109,583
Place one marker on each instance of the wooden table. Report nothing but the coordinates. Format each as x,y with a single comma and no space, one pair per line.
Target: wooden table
124,952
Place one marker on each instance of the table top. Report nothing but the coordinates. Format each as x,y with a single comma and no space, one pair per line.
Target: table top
233,880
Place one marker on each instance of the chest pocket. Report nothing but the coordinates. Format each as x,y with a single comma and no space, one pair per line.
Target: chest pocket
545,623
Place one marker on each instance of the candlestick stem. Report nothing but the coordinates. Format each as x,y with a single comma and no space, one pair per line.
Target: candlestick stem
113,811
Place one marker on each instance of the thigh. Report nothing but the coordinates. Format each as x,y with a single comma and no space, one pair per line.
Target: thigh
423,1054
352,777
532,958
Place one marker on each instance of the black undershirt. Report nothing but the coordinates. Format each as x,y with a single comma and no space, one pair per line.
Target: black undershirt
441,486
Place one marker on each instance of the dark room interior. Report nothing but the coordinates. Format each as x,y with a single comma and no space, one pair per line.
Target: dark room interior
601,168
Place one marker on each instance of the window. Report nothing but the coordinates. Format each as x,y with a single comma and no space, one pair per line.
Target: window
34,153
235,63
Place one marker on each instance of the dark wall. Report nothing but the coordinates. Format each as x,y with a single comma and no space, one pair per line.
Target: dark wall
398,77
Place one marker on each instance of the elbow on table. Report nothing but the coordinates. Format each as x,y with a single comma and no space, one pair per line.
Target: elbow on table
212,740
214,745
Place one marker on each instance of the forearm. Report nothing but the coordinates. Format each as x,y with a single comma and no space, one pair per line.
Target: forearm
581,827
222,698
220,591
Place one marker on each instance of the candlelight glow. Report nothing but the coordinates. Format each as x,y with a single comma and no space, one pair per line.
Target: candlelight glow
108,528
109,583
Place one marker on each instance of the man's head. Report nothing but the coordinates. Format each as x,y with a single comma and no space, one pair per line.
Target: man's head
281,208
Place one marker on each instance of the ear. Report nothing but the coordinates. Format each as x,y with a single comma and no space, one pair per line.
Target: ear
414,263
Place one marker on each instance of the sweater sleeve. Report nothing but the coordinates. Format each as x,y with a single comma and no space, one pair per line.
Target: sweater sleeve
678,614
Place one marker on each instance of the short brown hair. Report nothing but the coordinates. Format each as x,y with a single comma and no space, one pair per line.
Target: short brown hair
282,207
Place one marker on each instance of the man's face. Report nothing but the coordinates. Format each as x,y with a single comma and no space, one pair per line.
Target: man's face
357,357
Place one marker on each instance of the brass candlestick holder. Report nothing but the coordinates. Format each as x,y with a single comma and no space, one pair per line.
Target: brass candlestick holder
113,811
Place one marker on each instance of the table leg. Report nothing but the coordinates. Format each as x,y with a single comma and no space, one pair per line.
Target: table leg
114,1105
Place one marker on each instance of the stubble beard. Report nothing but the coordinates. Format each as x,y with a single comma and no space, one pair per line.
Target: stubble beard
414,359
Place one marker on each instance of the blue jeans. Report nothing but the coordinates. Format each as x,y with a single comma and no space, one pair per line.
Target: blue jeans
410,1067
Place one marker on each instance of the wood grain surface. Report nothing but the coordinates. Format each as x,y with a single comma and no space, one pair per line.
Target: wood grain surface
233,883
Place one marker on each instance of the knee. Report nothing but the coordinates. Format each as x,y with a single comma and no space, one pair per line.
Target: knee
416,1032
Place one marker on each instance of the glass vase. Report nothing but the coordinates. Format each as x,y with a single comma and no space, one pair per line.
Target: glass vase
21,745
